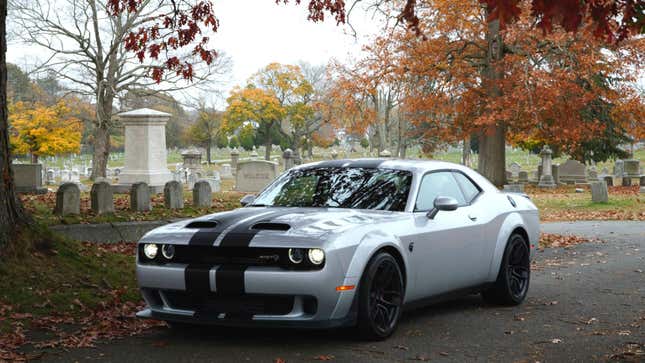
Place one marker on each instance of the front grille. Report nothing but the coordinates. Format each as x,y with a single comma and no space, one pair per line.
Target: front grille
248,304
246,256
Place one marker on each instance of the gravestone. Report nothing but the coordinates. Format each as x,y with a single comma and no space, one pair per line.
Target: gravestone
145,149
627,182
202,194
215,183
254,175
609,180
546,180
50,177
334,154
572,172
515,169
619,168
102,198
76,176
514,188
254,154
140,197
509,176
523,177
632,168
28,178
68,199
226,171
555,172
173,195
288,159
593,175
385,154
192,160
642,181
599,192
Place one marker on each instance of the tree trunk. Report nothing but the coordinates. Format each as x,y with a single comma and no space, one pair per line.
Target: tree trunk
102,136
11,213
465,152
492,139
34,158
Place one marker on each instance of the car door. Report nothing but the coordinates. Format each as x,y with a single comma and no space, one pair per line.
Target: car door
446,255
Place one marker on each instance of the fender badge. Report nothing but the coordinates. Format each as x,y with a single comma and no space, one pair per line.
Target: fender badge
411,246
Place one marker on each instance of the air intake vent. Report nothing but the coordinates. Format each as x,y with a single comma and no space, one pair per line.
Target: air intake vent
272,226
201,224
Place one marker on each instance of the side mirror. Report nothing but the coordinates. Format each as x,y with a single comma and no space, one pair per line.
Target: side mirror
443,203
247,199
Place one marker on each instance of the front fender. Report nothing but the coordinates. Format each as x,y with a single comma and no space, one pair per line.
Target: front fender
364,251
511,222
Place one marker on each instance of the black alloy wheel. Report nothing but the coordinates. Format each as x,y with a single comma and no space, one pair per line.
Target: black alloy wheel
381,297
514,276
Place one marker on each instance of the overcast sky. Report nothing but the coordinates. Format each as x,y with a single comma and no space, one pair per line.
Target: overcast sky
255,33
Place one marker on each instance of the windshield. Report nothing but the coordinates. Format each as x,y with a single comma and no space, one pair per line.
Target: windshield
357,188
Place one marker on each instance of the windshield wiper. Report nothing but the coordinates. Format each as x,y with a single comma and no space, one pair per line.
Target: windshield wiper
258,205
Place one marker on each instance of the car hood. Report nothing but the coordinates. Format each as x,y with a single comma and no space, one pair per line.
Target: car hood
268,226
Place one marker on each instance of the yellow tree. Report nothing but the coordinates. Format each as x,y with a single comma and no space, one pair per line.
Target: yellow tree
44,130
252,105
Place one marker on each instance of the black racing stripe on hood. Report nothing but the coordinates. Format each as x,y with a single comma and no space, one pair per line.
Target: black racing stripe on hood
242,234
207,236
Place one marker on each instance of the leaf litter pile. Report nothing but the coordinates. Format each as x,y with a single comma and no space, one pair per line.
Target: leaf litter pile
79,313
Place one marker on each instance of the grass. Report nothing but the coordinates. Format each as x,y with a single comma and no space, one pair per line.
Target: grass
45,274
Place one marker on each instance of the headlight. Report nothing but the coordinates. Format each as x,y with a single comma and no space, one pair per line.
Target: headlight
316,256
296,255
168,251
150,250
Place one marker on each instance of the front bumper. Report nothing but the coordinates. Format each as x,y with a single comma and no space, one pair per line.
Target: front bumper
268,296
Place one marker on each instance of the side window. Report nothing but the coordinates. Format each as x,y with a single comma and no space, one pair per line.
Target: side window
438,184
469,188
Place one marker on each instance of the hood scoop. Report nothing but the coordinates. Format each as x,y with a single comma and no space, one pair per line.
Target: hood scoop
201,224
271,226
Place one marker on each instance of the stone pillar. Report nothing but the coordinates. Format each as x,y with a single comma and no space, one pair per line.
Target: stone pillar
173,194
546,179
140,197
288,159
555,172
202,194
101,198
145,148
68,199
235,158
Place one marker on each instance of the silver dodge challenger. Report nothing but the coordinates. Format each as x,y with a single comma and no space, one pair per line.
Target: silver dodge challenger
342,243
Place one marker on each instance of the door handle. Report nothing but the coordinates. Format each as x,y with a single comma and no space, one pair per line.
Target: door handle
472,217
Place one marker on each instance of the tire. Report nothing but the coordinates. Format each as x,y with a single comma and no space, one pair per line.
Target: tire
381,294
514,274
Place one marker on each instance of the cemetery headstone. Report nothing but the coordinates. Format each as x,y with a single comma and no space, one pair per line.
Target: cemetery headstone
642,181
334,154
287,156
226,172
514,188
573,172
609,180
599,192
515,169
192,159
202,194
140,197
173,195
619,168
50,177
68,199
385,154
28,178
523,177
254,175
235,158
593,175
555,172
102,198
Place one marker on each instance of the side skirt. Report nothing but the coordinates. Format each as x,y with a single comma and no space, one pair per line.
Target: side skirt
446,296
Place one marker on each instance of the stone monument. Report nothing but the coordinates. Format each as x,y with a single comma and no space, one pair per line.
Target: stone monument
145,150
546,179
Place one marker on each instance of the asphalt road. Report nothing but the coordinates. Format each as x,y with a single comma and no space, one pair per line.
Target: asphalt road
586,303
